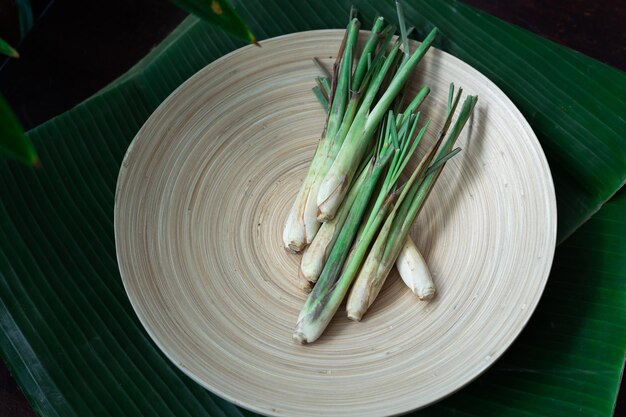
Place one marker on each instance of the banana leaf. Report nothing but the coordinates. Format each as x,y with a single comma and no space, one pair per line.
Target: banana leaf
13,141
70,336
220,13
7,49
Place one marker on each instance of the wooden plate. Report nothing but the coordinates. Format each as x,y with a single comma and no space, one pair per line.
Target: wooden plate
201,199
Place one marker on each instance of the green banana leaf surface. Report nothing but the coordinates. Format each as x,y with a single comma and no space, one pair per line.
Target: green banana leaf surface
75,346
14,143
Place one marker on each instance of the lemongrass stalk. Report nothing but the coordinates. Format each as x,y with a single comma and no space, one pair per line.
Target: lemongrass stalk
415,103
346,124
342,89
366,287
315,318
403,32
414,271
368,50
315,255
302,224
369,275
321,306
323,69
323,84
336,182
340,249
366,290
399,80
320,96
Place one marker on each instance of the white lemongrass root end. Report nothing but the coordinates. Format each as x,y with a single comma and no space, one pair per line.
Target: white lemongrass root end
307,330
314,255
300,337
355,315
294,233
360,297
304,284
414,271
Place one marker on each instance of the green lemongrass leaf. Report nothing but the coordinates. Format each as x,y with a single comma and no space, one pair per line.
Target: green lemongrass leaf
391,122
220,13
403,125
346,237
387,81
399,80
405,157
464,114
450,97
346,123
375,85
323,69
398,163
368,50
453,102
341,94
321,96
419,193
416,102
336,181
386,36
442,160
324,84
7,49
403,32
404,145
14,143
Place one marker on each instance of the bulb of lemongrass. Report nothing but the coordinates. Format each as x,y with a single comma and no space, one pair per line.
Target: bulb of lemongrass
414,271
315,255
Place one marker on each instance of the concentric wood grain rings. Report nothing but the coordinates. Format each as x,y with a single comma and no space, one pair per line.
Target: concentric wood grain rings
202,196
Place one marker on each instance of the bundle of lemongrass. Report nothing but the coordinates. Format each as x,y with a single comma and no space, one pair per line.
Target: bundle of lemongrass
352,216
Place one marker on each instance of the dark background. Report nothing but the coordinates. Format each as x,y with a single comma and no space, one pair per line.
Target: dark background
78,47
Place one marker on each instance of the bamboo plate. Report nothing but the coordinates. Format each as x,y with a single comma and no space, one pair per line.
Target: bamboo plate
201,199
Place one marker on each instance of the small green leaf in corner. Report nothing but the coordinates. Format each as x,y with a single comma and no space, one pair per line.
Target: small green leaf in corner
7,49
14,143
221,14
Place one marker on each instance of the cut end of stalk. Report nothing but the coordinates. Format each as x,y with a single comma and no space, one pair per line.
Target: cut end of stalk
355,315
306,283
293,247
300,338
426,294
294,232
